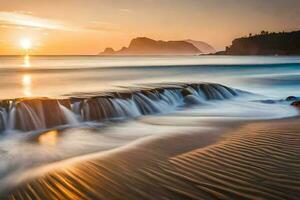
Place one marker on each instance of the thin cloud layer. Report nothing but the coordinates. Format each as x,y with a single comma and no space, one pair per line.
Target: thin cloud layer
20,20
11,19
101,26
125,10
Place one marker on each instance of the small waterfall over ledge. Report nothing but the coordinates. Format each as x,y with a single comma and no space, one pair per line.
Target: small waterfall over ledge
42,113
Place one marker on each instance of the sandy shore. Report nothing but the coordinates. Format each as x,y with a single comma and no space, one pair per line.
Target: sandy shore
259,160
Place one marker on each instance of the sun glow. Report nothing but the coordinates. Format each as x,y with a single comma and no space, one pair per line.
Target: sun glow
26,43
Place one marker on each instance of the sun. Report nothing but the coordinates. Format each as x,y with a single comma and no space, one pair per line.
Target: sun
26,43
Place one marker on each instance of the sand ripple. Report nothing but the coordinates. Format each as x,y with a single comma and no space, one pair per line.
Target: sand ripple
258,161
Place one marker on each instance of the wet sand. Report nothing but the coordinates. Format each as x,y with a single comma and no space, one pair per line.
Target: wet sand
257,160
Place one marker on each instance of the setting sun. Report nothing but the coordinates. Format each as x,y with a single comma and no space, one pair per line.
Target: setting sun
26,43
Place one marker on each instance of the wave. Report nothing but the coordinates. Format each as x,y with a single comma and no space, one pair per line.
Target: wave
43,113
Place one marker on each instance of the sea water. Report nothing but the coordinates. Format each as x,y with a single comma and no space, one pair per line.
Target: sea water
60,75
260,85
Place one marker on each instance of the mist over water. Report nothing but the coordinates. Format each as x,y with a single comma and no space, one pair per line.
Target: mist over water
57,76
255,89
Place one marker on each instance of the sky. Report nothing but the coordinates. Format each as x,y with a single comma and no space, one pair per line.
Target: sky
85,27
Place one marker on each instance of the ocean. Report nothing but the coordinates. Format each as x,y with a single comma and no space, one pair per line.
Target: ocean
56,76
58,107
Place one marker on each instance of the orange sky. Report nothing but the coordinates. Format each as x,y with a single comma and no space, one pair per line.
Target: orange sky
88,26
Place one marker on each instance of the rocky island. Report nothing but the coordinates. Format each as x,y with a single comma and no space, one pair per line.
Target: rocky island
147,46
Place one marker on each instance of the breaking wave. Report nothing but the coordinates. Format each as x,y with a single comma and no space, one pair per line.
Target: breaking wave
44,113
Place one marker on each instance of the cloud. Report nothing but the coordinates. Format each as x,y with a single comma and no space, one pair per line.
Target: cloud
17,19
21,20
101,26
125,10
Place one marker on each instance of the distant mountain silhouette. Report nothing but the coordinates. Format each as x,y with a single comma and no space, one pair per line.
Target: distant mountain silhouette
147,46
266,44
202,46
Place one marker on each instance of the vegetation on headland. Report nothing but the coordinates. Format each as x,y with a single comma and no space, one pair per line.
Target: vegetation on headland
265,43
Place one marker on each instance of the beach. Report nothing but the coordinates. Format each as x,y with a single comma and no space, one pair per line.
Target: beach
254,160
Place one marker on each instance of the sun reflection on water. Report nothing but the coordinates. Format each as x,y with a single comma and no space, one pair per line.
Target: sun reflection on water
26,78
26,61
49,138
26,83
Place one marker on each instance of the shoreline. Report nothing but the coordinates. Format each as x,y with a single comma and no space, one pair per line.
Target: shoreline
243,161
161,143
